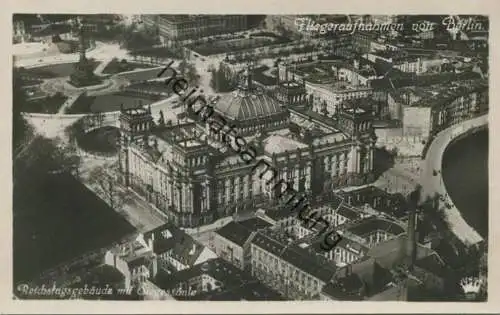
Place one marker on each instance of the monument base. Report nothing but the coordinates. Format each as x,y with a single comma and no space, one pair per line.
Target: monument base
84,75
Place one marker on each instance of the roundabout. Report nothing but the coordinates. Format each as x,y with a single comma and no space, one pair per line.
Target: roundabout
107,97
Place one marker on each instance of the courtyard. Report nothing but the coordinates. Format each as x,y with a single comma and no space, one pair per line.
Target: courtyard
317,72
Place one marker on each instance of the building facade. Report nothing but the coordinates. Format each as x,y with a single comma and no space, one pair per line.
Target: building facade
464,103
187,171
295,272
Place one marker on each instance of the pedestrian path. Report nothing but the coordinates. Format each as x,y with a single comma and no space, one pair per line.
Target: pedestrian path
100,68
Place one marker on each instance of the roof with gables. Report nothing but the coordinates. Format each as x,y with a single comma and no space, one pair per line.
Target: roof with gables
168,237
239,232
305,259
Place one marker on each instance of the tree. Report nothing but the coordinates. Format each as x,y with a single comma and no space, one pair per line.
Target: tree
192,75
108,188
213,80
394,151
97,119
161,120
222,79
22,132
41,157
137,40
183,66
33,155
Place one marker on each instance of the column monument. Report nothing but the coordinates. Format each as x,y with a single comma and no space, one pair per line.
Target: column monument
83,74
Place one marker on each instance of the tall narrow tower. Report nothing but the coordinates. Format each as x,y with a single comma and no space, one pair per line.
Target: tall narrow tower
81,43
410,248
135,124
84,69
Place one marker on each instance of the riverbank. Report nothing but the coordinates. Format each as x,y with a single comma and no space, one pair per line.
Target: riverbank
433,182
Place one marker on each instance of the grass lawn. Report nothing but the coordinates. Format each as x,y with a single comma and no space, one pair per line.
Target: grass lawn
101,140
47,105
142,75
55,71
108,103
260,77
116,66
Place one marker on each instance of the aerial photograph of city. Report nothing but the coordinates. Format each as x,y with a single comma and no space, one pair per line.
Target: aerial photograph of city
250,157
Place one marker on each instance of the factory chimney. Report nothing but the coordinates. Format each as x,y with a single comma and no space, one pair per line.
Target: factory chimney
411,245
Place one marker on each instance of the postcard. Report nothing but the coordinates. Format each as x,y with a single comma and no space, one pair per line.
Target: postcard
166,160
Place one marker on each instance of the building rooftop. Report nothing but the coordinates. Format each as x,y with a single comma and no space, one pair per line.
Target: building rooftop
352,245
183,18
230,282
241,106
361,105
348,288
375,277
373,224
392,204
343,86
276,144
182,246
305,259
349,212
137,111
393,251
251,291
239,232
446,93
329,138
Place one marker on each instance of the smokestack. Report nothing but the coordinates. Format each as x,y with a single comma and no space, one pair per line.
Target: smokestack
286,72
411,241
411,245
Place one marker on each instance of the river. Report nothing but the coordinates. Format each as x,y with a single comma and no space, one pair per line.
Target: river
465,174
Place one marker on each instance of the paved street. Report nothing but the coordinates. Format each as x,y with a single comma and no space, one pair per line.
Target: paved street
434,184
136,210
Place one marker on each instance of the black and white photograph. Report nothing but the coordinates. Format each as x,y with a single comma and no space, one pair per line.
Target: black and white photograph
232,157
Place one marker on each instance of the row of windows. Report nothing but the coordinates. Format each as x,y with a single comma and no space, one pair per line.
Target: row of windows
346,257
301,281
197,161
